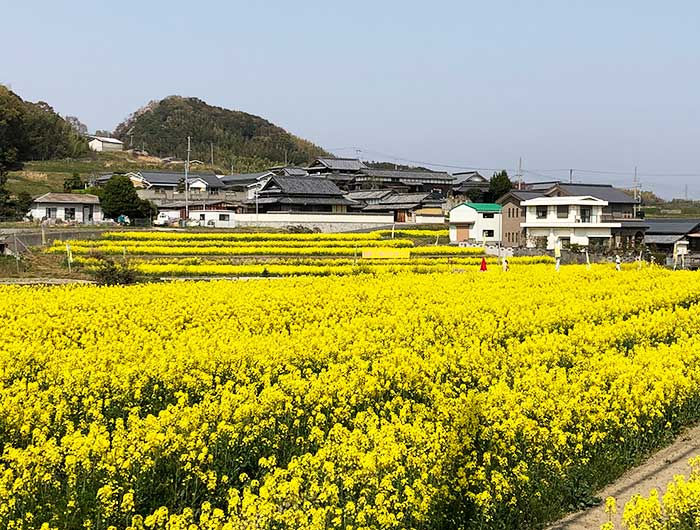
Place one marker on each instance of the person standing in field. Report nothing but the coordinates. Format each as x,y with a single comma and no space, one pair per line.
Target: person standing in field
617,262
506,268
557,256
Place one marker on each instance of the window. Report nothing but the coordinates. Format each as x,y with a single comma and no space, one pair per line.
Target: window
585,214
51,213
224,217
487,233
562,211
69,214
488,216
202,217
542,212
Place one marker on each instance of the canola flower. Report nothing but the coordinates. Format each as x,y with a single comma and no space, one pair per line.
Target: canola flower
677,509
98,244
78,247
479,400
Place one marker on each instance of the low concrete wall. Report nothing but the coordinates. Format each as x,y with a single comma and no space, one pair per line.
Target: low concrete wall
31,238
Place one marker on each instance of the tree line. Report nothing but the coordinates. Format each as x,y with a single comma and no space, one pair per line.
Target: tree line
30,131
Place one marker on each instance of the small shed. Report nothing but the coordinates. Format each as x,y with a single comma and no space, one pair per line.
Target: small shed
104,144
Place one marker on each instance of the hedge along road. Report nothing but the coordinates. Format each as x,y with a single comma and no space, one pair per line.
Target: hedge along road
655,473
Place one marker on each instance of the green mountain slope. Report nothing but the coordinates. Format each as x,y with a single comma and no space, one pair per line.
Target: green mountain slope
33,131
162,127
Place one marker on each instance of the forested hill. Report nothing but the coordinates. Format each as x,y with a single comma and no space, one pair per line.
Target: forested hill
33,131
162,127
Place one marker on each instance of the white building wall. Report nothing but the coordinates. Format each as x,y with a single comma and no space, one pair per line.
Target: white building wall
465,215
40,211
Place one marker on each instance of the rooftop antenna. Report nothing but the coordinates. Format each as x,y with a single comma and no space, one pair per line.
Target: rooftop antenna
520,173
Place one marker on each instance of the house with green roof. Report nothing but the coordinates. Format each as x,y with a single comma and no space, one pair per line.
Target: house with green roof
476,222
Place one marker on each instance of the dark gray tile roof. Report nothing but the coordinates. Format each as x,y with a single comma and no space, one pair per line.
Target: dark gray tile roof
242,179
599,191
333,201
469,176
407,174
672,226
520,195
364,195
661,239
309,186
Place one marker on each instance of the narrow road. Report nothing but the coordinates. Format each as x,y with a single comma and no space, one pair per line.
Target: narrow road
658,470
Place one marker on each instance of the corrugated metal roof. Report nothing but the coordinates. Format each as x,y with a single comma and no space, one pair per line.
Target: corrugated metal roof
484,207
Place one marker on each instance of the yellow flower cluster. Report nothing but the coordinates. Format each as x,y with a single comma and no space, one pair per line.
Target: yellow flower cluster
413,233
236,236
677,509
476,400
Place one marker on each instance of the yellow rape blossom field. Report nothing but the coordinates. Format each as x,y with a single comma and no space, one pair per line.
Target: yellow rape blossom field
477,400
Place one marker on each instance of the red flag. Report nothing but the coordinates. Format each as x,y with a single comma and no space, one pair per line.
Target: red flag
483,265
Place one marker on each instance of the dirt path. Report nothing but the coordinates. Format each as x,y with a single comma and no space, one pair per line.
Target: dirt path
655,473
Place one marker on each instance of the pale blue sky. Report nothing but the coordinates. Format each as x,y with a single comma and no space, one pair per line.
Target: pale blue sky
603,85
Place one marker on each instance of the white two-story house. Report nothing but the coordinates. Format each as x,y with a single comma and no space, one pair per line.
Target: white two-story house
573,220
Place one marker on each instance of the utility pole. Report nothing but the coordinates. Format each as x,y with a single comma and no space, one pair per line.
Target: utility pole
211,144
187,183
571,176
520,173
686,192
636,189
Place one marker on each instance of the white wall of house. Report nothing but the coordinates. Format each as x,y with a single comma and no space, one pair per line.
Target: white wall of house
229,219
77,213
468,224
573,219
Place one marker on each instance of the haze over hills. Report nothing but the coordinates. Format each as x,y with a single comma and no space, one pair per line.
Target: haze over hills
162,128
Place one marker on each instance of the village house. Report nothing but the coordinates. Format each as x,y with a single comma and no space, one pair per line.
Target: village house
341,171
568,220
468,186
411,207
513,214
663,234
621,207
105,145
475,223
67,207
299,194
404,180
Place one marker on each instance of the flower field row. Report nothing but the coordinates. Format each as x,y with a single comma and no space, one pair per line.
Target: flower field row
228,236
396,401
186,250
311,267
413,233
98,244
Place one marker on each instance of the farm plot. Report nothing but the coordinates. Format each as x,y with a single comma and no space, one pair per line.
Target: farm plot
391,401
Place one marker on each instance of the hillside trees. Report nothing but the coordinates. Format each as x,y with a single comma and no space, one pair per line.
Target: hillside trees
162,127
